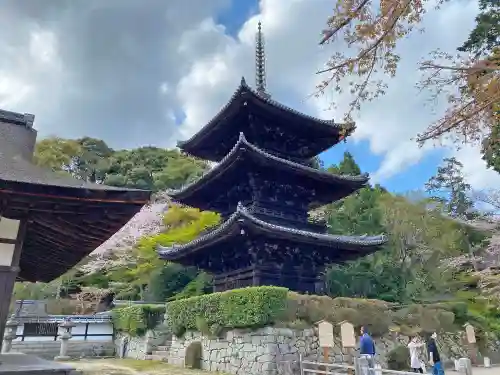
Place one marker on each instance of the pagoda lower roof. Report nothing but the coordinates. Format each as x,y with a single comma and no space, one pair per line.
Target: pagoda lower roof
208,143
243,219
66,218
333,186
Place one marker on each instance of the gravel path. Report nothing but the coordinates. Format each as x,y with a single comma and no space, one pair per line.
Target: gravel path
480,371
130,367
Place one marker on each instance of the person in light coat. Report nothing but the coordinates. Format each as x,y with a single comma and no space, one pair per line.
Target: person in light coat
414,347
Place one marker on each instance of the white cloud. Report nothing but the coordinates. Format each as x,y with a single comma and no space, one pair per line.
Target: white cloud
43,47
475,169
91,69
292,32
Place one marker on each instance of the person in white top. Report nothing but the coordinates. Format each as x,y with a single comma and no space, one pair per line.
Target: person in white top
414,347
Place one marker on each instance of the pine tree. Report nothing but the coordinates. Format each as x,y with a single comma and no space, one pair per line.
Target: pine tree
449,188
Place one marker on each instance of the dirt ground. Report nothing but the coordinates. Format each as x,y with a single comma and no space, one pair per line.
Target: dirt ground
480,371
138,367
130,367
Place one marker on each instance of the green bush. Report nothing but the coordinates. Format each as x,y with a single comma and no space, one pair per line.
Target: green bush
374,314
256,307
137,319
239,308
399,358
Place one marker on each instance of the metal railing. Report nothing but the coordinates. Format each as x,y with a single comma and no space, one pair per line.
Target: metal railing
360,367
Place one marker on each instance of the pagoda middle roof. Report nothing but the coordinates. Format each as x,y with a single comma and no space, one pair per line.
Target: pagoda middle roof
337,186
66,218
243,218
326,132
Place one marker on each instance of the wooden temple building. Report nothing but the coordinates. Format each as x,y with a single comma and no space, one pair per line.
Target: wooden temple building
49,222
263,186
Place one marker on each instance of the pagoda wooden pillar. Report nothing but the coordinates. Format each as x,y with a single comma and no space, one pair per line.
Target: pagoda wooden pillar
11,242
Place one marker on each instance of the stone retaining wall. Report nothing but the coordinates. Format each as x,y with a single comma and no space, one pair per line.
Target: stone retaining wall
137,347
276,350
76,349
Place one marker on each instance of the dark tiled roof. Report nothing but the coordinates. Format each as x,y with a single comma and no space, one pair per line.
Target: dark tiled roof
244,88
243,144
68,218
244,217
15,168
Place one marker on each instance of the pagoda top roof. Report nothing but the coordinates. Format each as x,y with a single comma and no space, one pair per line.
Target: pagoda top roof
244,218
65,218
243,94
242,146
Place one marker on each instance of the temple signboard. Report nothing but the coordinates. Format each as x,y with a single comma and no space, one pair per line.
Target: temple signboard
347,335
325,334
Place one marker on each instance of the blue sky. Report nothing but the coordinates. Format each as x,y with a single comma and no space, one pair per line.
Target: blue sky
411,178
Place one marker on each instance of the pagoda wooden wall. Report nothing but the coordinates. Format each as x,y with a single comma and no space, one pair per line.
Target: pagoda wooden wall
295,280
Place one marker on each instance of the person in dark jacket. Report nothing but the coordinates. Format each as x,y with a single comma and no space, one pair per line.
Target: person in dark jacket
367,348
434,358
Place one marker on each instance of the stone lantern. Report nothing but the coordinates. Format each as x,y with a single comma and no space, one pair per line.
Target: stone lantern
10,334
66,326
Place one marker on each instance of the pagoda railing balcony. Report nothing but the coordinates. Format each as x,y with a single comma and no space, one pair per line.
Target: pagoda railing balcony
305,162
280,215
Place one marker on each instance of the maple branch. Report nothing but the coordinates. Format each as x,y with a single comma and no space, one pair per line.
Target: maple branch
363,86
329,33
428,65
372,47
436,132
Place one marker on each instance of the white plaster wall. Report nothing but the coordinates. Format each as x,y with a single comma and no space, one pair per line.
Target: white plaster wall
103,332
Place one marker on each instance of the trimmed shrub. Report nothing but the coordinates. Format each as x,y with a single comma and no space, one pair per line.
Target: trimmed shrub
428,318
256,307
373,314
239,308
399,358
137,319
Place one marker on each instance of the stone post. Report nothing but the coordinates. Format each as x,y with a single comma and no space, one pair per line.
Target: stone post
66,326
487,362
470,335
464,366
147,343
10,334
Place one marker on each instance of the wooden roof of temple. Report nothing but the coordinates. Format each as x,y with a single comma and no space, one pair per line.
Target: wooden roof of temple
246,111
203,193
330,248
67,218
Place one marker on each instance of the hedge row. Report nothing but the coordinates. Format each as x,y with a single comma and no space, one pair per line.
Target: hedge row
240,308
255,307
135,320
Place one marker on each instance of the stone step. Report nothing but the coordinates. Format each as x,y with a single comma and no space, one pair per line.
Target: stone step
163,348
160,352
153,357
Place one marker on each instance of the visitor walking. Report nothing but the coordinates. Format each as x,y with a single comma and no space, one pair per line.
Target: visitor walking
434,358
414,347
367,351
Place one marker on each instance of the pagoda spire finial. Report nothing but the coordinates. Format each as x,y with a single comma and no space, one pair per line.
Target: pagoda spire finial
260,63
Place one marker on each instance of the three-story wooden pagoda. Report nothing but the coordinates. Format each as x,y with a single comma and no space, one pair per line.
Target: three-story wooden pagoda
264,186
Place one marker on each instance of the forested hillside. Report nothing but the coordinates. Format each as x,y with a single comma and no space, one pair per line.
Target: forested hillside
430,256
93,160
